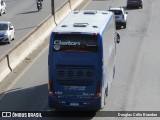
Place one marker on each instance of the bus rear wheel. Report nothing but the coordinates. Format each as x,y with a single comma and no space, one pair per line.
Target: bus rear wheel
114,70
106,94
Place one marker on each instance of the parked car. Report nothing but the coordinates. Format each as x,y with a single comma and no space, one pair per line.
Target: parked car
7,32
120,16
2,7
134,3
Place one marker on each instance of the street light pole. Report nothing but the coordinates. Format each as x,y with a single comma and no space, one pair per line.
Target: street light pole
52,7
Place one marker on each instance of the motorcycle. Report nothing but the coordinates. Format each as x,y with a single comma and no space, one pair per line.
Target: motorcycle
39,6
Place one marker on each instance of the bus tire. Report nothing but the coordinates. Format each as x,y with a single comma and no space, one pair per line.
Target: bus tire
114,70
106,94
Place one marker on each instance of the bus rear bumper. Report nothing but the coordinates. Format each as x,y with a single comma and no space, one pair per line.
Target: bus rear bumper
89,105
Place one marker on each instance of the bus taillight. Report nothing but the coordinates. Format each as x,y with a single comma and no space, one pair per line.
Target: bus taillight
95,34
98,90
51,89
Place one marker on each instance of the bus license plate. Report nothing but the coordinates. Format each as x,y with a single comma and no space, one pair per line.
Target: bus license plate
74,104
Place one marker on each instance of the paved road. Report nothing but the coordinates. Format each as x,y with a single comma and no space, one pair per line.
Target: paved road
25,18
136,83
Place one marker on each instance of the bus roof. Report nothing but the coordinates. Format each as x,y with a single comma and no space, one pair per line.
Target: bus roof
85,21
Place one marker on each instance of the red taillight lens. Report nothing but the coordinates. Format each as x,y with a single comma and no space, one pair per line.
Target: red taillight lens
50,88
99,86
98,90
50,85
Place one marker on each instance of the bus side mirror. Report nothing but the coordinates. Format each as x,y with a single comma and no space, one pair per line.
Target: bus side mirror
118,38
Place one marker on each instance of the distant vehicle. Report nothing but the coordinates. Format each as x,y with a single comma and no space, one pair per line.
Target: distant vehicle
2,7
39,5
7,32
81,62
134,3
39,0
120,16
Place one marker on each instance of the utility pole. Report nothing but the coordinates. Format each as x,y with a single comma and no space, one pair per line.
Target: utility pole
52,7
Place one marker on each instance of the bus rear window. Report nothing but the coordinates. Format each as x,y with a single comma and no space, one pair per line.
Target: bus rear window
75,43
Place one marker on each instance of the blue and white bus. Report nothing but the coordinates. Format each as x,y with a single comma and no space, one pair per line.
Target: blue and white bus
82,60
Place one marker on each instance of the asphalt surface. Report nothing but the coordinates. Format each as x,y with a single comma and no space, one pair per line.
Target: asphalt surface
137,78
25,18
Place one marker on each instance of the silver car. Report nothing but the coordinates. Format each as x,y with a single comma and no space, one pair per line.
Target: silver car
7,32
120,16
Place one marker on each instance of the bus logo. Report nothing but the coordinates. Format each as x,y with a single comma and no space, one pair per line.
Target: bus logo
57,47
59,42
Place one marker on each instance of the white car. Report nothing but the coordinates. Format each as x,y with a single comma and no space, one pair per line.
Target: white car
120,16
7,32
2,7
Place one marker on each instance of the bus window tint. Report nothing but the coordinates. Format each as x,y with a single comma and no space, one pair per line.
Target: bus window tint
75,43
